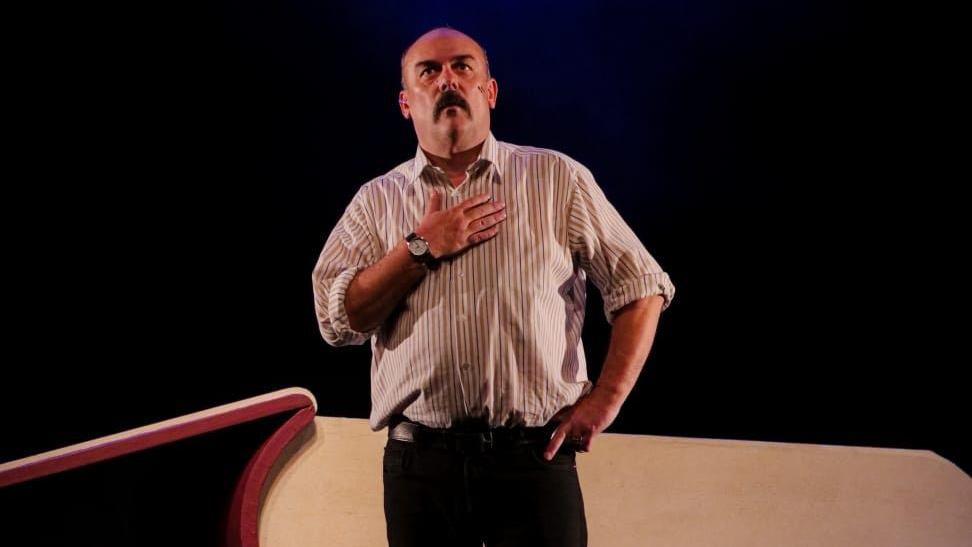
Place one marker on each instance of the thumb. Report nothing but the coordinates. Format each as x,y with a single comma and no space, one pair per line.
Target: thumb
434,202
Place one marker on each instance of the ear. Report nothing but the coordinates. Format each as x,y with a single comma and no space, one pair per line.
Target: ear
492,92
403,104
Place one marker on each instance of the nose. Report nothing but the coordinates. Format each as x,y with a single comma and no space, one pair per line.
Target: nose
447,80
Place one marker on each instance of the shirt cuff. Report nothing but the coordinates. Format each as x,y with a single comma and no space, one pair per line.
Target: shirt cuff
636,289
338,314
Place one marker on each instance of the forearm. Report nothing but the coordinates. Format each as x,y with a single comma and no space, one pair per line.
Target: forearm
632,335
376,291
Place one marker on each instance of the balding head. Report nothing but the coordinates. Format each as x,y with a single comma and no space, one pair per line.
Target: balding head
441,32
447,91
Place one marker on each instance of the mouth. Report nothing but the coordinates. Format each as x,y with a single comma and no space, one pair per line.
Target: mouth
450,100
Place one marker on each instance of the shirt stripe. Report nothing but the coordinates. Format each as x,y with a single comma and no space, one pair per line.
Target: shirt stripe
494,333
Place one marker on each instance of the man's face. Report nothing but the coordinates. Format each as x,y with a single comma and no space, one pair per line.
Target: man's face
447,89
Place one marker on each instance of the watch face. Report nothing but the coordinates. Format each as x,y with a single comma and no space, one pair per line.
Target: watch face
418,246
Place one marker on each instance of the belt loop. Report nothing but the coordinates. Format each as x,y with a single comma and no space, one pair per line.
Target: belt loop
487,441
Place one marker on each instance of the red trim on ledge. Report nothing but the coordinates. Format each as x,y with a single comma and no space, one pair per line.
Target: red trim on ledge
174,432
243,520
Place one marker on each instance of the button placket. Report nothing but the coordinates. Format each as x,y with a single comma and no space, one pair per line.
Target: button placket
458,304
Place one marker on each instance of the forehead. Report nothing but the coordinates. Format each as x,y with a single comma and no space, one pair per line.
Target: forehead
442,47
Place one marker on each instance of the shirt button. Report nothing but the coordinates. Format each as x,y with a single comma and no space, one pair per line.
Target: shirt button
461,274
464,366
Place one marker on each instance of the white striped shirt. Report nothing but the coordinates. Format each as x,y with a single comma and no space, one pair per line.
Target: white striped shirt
496,331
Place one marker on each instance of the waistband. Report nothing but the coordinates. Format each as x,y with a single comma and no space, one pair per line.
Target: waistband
472,436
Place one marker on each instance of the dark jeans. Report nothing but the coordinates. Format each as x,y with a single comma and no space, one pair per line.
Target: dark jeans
505,497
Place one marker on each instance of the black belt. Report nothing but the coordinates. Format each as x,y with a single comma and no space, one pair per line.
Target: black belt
465,439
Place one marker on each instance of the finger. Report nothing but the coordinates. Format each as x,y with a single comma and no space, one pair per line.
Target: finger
485,209
473,201
486,222
483,235
434,203
554,445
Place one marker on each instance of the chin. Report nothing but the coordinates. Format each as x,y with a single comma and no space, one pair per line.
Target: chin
460,117
456,123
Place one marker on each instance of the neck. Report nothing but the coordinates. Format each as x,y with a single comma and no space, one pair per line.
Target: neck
452,159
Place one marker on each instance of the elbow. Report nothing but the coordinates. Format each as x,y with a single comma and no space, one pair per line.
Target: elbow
326,327
324,324
334,321
337,333
332,337
335,337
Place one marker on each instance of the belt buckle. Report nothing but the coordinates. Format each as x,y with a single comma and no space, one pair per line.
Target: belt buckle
477,442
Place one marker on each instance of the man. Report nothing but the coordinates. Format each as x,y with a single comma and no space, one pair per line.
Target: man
466,267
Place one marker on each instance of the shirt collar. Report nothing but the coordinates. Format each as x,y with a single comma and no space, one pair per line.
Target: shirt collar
487,157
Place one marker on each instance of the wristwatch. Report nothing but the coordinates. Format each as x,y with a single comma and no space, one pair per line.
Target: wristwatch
418,247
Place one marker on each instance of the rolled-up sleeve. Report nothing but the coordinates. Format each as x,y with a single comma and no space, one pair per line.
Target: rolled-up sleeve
352,246
608,250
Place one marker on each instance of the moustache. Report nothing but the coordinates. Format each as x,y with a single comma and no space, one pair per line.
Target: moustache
447,99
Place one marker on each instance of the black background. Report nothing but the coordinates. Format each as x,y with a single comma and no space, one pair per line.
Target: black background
173,172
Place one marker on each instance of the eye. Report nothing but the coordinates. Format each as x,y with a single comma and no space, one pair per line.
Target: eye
463,66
